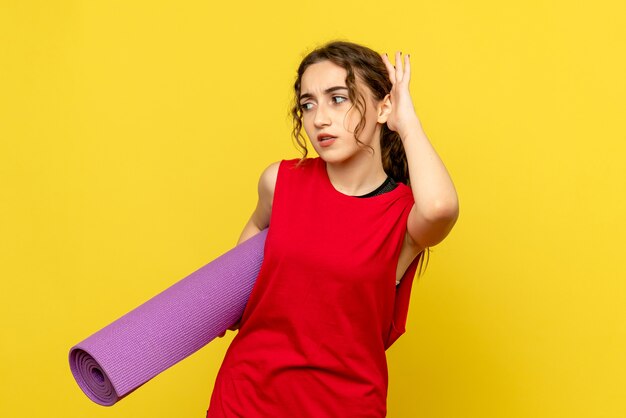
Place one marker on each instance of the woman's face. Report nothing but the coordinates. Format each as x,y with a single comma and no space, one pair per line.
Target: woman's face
327,109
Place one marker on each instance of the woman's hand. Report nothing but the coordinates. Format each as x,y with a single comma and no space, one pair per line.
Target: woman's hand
233,327
402,117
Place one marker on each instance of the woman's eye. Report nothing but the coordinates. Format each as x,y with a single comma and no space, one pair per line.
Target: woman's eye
304,107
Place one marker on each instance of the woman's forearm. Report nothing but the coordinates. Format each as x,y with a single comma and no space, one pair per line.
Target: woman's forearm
248,232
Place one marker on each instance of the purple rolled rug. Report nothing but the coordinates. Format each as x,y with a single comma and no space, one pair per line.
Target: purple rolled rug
171,326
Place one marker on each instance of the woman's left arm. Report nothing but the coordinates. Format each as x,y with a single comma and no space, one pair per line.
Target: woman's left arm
436,206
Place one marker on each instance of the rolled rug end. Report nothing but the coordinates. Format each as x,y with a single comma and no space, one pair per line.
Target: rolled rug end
91,378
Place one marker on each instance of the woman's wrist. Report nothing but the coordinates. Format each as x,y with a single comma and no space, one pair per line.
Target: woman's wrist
412,129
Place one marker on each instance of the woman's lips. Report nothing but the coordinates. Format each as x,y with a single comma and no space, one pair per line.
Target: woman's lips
324,135
327,141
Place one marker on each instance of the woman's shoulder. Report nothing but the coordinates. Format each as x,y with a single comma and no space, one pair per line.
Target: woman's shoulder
301,162
403,195
269,176
298,166
267,180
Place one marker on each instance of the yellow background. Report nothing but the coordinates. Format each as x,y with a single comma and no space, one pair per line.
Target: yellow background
133,134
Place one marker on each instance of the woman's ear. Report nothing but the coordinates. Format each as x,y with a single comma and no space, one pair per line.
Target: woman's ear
384,108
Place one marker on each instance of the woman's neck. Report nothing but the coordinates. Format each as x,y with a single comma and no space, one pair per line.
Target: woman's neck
358,175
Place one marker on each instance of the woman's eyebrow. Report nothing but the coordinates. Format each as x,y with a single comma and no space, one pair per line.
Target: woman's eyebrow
328,90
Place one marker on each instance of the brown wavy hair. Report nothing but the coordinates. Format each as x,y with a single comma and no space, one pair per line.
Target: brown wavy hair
366,64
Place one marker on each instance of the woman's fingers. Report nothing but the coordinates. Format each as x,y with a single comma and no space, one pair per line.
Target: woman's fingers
390,69
396,72
398,66
407,68
233,327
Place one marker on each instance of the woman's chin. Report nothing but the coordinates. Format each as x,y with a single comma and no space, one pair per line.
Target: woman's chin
330,157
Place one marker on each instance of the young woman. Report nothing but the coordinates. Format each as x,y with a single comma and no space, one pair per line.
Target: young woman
346,231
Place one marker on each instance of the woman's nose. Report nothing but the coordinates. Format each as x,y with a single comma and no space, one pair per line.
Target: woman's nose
321,117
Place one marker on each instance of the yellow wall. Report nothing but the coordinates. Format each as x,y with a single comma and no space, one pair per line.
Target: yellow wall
132,135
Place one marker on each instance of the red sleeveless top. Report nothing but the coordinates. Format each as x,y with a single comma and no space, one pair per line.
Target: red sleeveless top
325,305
